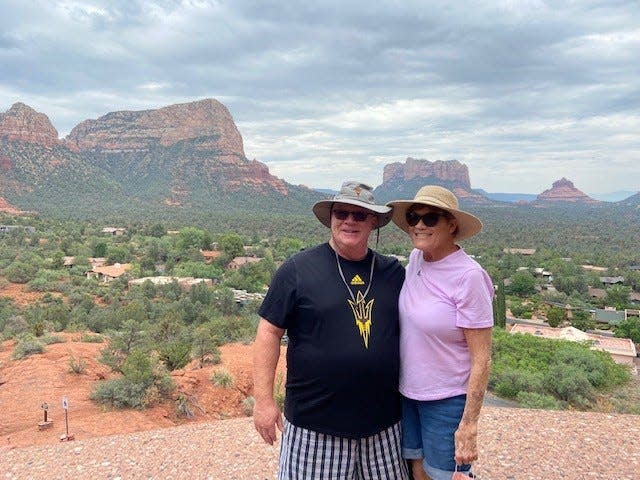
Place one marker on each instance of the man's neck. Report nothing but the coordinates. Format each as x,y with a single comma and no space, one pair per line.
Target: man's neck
355,253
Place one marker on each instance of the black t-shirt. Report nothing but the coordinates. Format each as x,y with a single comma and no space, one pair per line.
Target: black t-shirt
342,373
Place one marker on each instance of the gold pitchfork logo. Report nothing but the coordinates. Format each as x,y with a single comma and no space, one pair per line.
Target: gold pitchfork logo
362,313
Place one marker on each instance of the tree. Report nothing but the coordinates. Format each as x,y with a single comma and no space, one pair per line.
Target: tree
556,316
582,320
500,307
231,244
629,328
618,296
523,284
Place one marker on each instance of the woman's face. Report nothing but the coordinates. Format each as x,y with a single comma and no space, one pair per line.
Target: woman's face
436,241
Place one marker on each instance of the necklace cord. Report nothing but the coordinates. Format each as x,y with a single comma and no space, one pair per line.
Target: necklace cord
373,261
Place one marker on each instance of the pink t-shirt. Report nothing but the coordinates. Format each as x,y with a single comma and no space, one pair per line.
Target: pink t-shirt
439,299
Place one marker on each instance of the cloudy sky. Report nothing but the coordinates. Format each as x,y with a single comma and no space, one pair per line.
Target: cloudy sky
522,92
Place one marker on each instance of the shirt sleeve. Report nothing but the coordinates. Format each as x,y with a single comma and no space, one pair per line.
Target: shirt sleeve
474,308
278,305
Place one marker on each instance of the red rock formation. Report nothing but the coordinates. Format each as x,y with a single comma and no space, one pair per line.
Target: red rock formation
6,207
138,131
564,191
450,171
23,124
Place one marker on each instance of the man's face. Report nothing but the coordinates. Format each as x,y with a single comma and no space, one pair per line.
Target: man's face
351,232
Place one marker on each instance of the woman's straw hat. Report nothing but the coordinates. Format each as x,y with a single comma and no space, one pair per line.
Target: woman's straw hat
436,196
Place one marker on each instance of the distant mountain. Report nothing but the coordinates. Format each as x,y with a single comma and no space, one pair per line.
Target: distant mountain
563,191
632,202
181,156
403,180
612,196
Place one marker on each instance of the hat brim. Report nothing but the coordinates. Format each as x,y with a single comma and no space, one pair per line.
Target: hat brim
468,224
322,211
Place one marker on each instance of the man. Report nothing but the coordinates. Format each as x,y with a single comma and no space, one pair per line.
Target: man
338,303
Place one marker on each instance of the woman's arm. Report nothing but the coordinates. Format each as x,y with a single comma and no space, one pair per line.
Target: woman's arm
479,342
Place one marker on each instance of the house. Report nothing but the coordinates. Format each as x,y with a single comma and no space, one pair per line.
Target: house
10,228
597,292
242,296
611,280
210,255
240,261
592,268
622,350
97,261
186,283
115,231
108,273
608,315
520,251
68,261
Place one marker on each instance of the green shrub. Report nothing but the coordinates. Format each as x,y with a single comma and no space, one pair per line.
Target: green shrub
222,378
538,400
176,354
509,383
183,406
51,339
27,345
247,405
120,393
77,365
569,383
88,338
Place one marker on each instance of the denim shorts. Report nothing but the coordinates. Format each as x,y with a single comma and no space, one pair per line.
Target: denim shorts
427,432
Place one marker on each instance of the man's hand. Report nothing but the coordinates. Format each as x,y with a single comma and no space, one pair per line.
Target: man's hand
266,417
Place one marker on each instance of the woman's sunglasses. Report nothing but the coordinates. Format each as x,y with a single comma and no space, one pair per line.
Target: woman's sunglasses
357,216
430,219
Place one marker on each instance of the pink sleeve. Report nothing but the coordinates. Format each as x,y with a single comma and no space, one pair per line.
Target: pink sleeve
474,300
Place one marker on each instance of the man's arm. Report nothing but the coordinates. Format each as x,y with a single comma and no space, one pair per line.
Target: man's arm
266,352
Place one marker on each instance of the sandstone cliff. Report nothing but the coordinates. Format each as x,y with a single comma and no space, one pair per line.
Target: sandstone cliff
450,171
23,124
139,131
403,180
563,190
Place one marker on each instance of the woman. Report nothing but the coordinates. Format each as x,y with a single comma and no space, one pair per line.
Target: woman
445,335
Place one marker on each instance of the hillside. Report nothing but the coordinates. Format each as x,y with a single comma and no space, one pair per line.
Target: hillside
180,157
513,443
45,378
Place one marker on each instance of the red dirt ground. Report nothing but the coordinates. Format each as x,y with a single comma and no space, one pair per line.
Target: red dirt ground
28,383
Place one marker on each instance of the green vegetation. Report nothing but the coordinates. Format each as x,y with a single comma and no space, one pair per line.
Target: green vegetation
152,329
222,378
550,373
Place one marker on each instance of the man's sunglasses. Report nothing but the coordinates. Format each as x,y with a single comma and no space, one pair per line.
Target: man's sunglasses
357,216
430,219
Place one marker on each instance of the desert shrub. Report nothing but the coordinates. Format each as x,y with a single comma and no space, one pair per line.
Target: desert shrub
183,406
222,378
51,339
27,345
538,400
175,354
509,383
77,365
569,383
120,393
89,338
247,405
144,382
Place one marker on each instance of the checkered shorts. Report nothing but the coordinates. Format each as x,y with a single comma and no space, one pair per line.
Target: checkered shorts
308,455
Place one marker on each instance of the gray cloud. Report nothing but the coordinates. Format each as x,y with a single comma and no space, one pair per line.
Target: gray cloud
522,91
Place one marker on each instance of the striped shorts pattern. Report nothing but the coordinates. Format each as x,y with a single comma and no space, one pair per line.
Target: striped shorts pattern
309,455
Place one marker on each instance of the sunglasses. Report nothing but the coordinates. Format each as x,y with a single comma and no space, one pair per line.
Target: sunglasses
430,219
357,216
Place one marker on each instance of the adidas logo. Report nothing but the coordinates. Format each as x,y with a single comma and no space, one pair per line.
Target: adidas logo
356,280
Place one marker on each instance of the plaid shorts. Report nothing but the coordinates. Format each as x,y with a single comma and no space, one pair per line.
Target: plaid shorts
309,455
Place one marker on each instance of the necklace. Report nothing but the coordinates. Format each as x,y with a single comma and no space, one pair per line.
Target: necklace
359,306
